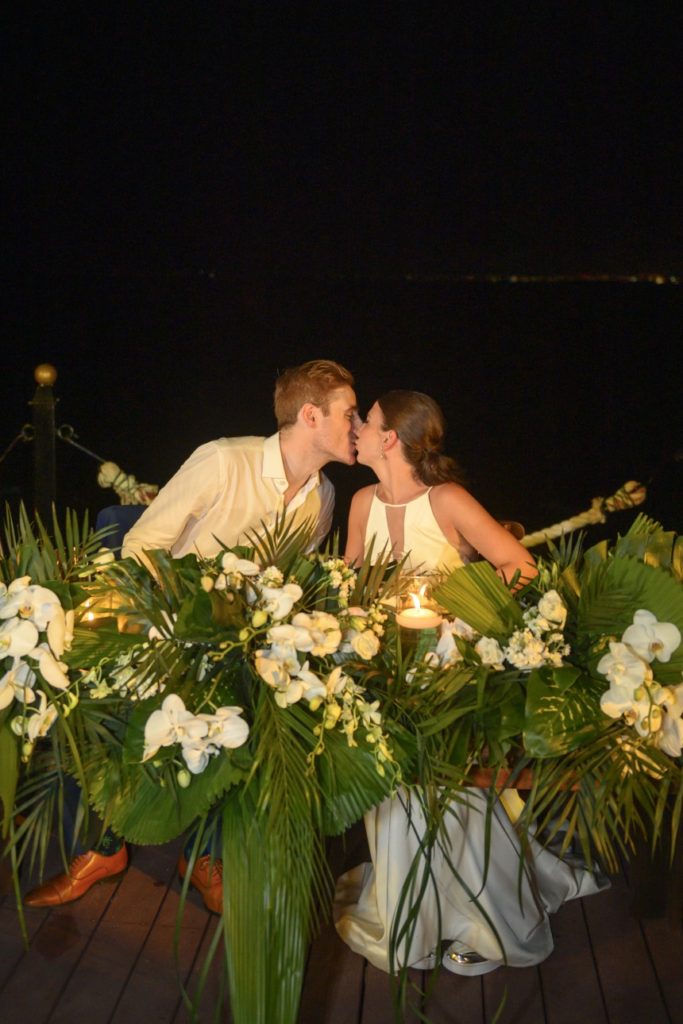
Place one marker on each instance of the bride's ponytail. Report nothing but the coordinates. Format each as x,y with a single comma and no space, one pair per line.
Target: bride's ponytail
420,426
433,467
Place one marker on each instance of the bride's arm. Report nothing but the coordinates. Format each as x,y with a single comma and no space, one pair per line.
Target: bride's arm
456,510
358,520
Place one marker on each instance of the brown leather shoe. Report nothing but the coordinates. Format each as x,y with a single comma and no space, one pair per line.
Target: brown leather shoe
207,878
84,871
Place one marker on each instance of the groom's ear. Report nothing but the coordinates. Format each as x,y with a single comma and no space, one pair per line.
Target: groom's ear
309,414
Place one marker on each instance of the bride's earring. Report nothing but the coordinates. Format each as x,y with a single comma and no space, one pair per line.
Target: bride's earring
382,453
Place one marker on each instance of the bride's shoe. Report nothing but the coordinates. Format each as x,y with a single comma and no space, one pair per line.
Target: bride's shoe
461,960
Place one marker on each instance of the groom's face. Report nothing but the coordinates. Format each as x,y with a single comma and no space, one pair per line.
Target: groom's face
336,431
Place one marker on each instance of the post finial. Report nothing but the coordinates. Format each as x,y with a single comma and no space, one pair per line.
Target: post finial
45,374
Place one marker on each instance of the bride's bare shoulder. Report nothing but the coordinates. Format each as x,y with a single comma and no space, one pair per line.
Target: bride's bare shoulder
444,495
363,497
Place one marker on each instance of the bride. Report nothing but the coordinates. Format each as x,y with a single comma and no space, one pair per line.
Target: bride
489,916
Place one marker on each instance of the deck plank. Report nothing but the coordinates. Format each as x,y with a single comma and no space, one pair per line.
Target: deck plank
665,945
111,956
454,999
155,977
211,994
518,991
627,978
108,959
566,1000
333,983
55,952
378,997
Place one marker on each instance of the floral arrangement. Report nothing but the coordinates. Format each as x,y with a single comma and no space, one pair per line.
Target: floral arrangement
216,690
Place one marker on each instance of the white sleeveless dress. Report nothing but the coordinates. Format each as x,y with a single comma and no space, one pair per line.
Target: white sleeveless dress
508,922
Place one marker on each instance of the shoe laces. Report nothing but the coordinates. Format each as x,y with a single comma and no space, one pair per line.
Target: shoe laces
216,867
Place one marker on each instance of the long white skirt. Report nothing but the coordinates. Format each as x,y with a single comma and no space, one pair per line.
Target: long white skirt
506,921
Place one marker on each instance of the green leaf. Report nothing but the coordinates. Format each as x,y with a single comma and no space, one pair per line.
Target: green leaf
9,772
478,596
562,711
147,807
615,590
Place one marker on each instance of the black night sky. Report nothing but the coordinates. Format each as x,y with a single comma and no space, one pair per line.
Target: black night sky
199,195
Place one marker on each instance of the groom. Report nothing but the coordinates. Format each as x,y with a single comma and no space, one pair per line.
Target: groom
226,489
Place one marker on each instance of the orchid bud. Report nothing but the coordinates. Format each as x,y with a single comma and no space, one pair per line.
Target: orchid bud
183,778
259,618
206,583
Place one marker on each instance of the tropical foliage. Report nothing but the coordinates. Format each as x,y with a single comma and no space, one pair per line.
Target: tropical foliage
266,699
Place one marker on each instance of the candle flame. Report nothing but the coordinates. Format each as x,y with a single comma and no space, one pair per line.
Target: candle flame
415,598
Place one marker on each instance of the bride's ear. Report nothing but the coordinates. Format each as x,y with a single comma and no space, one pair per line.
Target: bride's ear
390,440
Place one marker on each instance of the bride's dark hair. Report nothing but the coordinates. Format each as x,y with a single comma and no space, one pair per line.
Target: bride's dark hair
420,426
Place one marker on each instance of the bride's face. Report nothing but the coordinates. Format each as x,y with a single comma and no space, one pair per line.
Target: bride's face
370,437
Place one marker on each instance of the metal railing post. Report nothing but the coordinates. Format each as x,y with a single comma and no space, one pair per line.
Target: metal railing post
44,462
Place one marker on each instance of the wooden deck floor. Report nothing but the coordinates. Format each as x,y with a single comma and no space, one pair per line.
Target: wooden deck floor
108,959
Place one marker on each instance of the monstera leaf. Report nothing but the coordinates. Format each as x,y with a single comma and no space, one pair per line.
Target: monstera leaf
562,711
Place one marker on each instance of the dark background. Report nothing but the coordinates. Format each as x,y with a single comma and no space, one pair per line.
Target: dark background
483,204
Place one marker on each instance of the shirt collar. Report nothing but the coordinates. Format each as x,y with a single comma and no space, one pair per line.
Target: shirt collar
274,467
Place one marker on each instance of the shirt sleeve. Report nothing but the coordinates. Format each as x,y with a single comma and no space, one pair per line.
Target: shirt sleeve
326,510
187,495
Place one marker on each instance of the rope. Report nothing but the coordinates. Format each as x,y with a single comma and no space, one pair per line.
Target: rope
67,433
25,434
125,485
628,496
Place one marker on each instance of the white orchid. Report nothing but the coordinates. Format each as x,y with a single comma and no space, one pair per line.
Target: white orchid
272,670
60,631
671,734
622,667
336,681
18,637
230,563
196,754
226,727
324,630
32,602
646,713
53,672
652,639
169,724
288,634
40,719
17,683
279,601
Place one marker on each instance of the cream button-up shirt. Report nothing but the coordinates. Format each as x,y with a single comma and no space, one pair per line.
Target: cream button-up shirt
225,489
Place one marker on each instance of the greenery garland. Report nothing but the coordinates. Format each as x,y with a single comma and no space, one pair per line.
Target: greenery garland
269,696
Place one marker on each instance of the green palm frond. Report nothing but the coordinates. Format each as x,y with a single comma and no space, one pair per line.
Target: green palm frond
562,711
614,589
282,544
374,579
478,596
271,840
28,549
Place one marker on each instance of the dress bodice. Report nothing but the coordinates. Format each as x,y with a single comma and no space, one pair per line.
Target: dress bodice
424,542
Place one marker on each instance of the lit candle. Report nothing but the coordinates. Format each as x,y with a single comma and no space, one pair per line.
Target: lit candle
418,617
